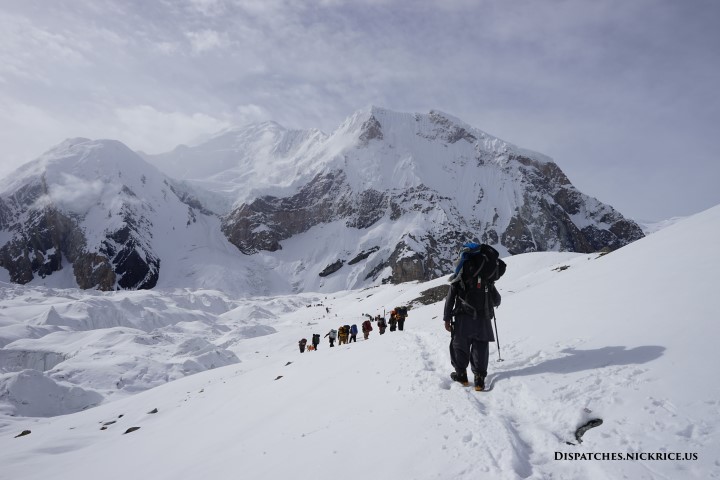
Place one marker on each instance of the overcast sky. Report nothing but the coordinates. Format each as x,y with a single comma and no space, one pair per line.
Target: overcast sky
623,94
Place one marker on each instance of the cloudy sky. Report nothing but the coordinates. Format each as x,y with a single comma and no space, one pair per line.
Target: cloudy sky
622,94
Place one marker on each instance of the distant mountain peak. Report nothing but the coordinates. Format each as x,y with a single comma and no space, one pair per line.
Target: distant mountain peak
388,196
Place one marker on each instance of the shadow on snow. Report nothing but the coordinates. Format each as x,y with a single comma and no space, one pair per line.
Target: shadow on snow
580,360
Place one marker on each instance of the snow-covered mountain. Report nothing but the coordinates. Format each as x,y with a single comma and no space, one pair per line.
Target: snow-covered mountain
390,196
94,214
387,197
583,336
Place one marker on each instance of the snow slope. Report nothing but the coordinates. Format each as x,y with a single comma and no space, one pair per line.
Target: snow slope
628,337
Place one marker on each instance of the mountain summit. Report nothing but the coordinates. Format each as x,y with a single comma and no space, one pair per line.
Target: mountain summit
386,197
390,196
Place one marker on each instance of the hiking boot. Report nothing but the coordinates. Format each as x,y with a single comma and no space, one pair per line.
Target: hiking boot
479,383
460,377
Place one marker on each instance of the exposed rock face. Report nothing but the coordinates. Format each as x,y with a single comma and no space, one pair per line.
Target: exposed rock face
539,224
332,268
133,262
545,219
48,235
407,264
433,295
94,271
42,235
264,223
370,130
46,223
363,255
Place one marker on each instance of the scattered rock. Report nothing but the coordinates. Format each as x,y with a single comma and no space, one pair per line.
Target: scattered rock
596,422
561,268
109,423
154,410
433,295
604,251
288,363
131,429
363,255
103,428
278,377
332,268
23,433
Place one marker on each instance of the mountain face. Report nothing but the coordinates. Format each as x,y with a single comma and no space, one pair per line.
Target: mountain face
387,197
404,191
93,207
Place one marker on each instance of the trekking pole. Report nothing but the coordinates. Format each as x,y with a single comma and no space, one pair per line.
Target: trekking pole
497,337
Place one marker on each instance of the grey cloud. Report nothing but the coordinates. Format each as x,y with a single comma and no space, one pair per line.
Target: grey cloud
612,90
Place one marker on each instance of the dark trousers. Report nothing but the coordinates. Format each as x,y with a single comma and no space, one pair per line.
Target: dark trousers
464,351
302,348
353,337
332,342
401,323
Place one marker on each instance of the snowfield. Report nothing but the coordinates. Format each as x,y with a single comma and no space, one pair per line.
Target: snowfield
628,337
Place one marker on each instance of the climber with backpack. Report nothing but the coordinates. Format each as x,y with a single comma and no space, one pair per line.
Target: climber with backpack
401,313
301,344
343,333
315,341
393,321
353,333
333,335
381,324
469,309
366,329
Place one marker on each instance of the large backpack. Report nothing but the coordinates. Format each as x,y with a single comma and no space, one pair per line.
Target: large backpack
478,260
367,326
316,338
401,311
333,334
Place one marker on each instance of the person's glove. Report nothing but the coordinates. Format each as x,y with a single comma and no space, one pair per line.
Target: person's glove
448,326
